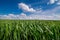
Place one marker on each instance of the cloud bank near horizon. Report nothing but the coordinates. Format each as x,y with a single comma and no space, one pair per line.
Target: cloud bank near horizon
51,14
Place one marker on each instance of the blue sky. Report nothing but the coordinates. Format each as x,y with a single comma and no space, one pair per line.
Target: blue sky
30,9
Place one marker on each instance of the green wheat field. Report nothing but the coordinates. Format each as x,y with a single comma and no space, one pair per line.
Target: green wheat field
29,30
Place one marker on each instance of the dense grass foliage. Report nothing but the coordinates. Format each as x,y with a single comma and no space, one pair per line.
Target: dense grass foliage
29,30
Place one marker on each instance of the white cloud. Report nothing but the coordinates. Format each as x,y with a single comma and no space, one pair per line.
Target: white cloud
22,14
25,7
32,16
45,15
52,1
58,3
51,14
12,16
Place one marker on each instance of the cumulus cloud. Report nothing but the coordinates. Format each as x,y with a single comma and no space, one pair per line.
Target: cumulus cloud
58,3
22,14
25,7
52,1
51,14
32,16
